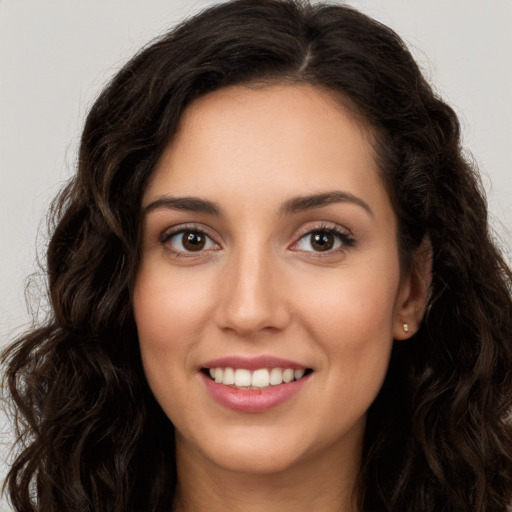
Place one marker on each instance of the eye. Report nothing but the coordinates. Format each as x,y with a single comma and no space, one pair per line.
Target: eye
323,240
188,240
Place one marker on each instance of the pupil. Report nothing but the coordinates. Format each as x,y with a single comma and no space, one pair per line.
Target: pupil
193,241
322,241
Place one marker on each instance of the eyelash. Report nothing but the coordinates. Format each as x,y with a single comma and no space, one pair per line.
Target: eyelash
345,240
181,230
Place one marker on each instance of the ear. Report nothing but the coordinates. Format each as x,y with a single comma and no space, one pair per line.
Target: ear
414,292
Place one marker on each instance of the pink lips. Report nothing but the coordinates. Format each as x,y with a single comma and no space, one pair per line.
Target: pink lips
252,400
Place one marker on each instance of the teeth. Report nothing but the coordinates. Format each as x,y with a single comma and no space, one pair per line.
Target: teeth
261,378
276,376
298,374
242,378
288,375
229,377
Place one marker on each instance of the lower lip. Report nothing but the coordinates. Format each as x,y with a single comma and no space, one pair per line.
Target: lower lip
253,400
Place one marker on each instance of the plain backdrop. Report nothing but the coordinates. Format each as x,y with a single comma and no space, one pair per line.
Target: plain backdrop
55,56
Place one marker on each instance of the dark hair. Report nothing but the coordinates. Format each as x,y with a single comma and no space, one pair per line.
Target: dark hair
438,438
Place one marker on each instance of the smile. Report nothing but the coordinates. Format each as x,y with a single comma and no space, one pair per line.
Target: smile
256,384
260,378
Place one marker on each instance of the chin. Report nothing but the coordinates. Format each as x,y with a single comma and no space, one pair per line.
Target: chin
274,449
252,453
256,460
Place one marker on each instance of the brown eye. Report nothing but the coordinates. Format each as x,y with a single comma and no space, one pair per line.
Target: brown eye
193,241
188,240
322,241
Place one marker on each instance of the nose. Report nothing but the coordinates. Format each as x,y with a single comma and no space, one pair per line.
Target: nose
253,295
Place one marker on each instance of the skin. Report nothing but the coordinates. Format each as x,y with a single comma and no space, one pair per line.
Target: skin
259,287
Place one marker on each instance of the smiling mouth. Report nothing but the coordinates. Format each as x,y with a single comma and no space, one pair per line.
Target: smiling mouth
257,379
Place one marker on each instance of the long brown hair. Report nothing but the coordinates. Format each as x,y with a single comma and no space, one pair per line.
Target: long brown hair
92,437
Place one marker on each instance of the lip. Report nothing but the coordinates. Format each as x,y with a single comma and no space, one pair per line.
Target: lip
252,400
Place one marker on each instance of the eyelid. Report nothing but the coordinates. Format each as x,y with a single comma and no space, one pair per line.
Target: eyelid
171,232
344,235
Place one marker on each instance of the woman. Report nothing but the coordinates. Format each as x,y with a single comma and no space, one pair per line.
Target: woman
273,286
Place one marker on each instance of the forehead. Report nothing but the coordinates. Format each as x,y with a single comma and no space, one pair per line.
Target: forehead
255,143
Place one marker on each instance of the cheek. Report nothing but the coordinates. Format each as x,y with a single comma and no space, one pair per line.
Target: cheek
166,317
169,307
352,320
355,300
168,311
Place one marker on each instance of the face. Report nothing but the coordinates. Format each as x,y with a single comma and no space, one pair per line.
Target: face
269,290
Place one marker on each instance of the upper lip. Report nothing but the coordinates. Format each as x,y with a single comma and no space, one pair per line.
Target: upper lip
253,363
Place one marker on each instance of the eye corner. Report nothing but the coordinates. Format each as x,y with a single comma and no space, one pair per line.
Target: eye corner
198,242
329,240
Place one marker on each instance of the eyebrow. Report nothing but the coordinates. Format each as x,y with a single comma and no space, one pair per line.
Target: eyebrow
294,205
309,202
191,204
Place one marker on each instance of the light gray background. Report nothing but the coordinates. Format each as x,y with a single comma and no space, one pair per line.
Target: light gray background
55,55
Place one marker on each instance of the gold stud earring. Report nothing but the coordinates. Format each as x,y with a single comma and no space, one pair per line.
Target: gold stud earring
406,327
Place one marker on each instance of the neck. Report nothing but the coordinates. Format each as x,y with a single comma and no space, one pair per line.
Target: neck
327,483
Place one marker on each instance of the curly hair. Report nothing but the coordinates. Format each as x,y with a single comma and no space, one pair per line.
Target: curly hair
91,437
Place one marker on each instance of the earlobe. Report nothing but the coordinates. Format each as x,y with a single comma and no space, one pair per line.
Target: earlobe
414,292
